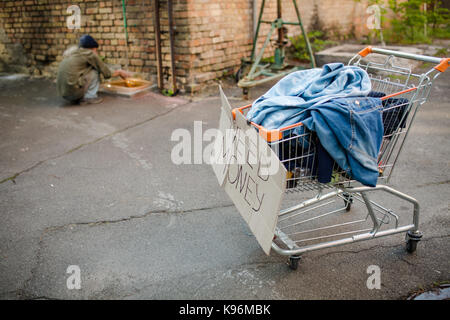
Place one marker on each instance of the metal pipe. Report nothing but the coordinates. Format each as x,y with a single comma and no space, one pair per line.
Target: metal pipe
305,36
124,11
376,224
407,55
309,202
307,210
260,54
313,218
157,29
172,53
328,227
339,242
255,17
125,19
280,30
255,38
396,193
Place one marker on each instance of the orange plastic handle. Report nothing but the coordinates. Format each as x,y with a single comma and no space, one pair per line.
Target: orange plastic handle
364,52
443,65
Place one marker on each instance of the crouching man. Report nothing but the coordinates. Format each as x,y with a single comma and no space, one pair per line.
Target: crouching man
78,76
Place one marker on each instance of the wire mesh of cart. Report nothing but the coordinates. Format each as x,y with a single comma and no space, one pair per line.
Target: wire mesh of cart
325,218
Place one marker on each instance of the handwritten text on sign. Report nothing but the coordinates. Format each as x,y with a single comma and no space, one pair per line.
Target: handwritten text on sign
250,172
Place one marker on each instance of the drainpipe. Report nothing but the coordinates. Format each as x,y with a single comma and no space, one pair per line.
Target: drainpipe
255,16
172,48
126,31
157,29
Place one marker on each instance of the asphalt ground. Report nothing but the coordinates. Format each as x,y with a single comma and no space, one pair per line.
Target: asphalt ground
94,186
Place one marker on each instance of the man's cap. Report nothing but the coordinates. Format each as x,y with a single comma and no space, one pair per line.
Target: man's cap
86,41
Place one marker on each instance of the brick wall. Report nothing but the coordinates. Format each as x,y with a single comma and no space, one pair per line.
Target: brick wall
40,27
211,35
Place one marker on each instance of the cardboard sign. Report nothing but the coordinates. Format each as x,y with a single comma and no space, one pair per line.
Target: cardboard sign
250,172
221,158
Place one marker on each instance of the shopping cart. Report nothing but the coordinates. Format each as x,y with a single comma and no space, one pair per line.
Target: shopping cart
316,222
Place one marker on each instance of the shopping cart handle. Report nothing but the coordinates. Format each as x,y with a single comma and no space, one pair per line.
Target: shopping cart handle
442,63
364,52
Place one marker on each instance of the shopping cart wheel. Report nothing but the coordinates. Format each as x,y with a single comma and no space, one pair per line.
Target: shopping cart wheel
293,262
412,238
348,199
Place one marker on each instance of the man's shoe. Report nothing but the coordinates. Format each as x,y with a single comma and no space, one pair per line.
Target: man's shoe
92,100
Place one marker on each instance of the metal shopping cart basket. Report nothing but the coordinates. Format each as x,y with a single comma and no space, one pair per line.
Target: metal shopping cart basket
316,222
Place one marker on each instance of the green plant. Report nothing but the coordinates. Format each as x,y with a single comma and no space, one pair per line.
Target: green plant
442,52
317,40
270,59
418,21
409,22
438,19
412,21
167,92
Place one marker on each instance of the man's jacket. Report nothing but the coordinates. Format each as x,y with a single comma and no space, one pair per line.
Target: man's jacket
70,80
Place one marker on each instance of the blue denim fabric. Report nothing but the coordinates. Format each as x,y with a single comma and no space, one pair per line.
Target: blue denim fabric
283,103
351,130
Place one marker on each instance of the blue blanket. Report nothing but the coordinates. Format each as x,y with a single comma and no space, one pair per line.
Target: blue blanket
283,103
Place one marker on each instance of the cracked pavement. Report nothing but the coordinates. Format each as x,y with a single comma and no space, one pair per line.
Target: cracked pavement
94,186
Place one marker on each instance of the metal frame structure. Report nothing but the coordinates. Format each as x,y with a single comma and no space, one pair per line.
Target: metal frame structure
311,224
263,72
